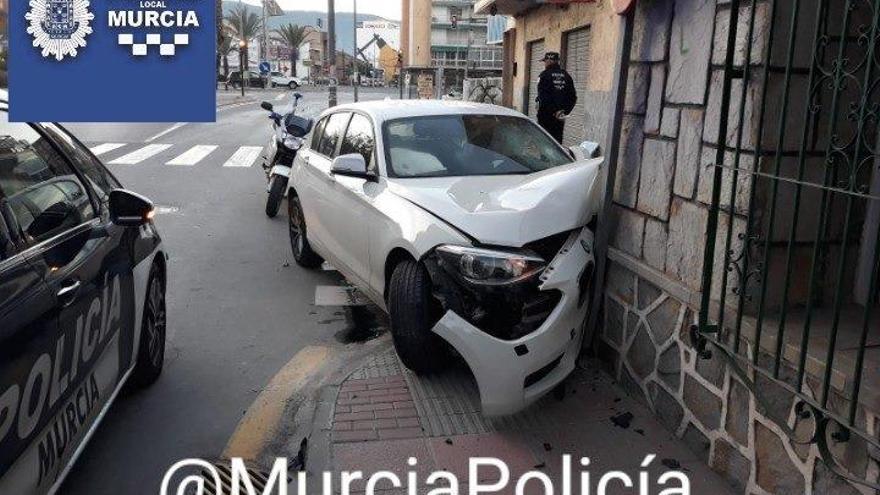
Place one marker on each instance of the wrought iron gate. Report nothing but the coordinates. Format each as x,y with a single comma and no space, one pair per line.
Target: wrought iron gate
790,277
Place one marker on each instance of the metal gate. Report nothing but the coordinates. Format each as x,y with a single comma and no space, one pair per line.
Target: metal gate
577,63
790,276
536,66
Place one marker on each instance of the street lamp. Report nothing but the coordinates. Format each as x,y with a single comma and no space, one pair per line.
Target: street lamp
242,62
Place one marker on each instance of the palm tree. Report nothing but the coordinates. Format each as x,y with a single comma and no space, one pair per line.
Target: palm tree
221,34
244,26
293,36
226,47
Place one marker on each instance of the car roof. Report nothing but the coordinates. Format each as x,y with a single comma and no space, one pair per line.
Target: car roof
384,110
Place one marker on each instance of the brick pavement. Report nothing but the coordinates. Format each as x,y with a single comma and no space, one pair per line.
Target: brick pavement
380,422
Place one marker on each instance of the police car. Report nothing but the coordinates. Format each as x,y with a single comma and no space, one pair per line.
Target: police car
82,300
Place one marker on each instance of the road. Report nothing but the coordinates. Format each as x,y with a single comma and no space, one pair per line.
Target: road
239,307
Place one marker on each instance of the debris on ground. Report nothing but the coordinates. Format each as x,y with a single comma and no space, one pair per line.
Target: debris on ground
548,447
671,464
448,441
622,420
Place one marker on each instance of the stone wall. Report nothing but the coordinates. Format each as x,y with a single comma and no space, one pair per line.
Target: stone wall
668,144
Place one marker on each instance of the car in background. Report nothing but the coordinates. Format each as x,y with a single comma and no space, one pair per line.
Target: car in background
82,300
467,223
254,80
279,79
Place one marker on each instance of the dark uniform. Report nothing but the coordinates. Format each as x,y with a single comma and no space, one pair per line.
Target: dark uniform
555,93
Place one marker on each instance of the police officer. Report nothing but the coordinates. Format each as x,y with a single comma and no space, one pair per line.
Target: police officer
556,96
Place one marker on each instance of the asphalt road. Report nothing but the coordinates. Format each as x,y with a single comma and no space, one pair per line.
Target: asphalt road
238,306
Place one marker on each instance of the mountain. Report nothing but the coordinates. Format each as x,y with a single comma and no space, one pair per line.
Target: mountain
344,20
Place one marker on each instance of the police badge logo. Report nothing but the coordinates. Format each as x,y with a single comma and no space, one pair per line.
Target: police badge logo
59,27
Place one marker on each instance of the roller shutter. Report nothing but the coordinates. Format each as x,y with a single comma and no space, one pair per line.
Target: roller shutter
536,66
577,62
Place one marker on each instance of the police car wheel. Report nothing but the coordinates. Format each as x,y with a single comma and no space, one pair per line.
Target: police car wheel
299,242
151,351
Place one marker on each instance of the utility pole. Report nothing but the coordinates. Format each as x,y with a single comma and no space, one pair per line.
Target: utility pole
264,46
331,51
354,51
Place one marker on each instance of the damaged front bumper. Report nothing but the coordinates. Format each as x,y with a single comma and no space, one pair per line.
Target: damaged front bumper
511,374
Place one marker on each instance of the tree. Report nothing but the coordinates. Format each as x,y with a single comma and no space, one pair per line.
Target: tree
293,36
226,46
244,25
221,36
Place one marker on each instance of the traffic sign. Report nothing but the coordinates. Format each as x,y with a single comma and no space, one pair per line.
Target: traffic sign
265,68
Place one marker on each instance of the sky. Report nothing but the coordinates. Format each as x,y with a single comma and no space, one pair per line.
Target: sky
389,9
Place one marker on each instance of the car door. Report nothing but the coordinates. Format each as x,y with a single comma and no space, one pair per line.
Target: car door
349,221
67,368
318,192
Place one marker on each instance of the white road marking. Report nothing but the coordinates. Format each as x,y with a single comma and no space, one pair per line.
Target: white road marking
193,155
327,267
335,295
166,131
105,148
244,156
280,97
140,154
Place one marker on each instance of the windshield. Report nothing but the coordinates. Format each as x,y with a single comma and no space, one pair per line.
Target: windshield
461,145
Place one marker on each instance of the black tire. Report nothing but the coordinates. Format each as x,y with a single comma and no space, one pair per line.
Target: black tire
414,311
292,85
151,350
276,195
299,242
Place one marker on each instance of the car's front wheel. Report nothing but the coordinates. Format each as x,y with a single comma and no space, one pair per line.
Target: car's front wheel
414,312
292,85
151,350
299,242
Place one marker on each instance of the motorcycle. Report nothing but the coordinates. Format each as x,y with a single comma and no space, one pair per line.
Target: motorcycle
288,132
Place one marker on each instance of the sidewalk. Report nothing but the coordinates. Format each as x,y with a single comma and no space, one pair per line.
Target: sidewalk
383,414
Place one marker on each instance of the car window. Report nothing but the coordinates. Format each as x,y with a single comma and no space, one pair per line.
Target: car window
99,178
317,133
38,188
276,74
359,139
463,145
332,131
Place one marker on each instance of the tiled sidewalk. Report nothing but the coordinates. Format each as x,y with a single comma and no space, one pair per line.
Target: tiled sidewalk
384,415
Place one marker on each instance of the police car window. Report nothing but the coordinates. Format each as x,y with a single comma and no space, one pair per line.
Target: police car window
332,132
38,188
99,178
359,139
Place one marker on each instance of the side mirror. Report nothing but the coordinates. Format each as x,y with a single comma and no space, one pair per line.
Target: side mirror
266,106
586,150
297,96
128,209
352,165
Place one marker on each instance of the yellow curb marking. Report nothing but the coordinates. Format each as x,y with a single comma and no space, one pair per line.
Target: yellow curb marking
263,417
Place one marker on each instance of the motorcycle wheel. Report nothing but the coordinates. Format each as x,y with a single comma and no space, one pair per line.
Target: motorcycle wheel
276,194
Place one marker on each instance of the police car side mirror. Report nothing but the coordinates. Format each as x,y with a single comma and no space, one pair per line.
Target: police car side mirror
128,209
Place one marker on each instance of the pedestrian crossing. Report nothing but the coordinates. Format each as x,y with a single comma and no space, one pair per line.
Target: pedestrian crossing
193,155
144,154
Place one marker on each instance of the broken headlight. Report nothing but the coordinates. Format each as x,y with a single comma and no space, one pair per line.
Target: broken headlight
489,267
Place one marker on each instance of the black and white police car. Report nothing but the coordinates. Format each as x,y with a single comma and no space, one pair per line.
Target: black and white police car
82,300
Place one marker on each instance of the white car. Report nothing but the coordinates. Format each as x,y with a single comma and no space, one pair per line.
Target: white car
467,223
279,79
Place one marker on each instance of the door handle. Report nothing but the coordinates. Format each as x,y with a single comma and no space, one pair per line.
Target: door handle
67,293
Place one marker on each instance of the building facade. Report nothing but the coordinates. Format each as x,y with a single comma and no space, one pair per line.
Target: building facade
740,299
448,35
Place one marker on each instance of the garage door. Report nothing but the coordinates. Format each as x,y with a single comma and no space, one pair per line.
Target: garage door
577,62
536,66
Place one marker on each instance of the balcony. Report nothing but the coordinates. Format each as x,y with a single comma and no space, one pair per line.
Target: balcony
507,7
